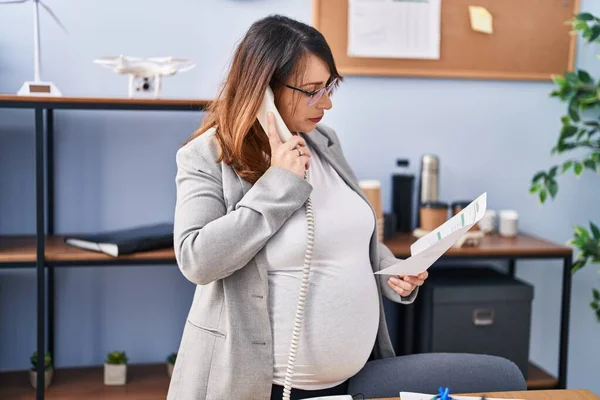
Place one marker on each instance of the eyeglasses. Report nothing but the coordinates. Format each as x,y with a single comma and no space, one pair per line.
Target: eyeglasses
315,95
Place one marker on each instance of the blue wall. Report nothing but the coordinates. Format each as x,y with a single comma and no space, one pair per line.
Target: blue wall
116,169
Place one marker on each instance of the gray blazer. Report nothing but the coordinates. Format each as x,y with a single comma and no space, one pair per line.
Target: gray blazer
222,223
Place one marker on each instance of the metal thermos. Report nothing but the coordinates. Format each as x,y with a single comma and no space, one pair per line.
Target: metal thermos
430,178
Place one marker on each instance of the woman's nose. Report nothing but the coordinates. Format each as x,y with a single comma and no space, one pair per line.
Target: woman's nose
325,102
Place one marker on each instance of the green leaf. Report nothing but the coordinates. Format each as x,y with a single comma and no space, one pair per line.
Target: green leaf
559,81
595,230
595,33
538,176
579,25
553,171
594,305
577,266
585,16
568,131
581,232
584,76
543,195
571,78
567,165
578,168
590,164
596,294
578,242
592,123
588,99
573,113
553,188
535,187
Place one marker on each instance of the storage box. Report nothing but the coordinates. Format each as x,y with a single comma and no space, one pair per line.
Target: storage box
474,310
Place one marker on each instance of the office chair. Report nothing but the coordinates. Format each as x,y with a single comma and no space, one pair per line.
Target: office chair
425,373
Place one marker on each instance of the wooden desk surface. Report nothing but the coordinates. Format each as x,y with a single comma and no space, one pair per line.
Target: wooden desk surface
569,394
522,245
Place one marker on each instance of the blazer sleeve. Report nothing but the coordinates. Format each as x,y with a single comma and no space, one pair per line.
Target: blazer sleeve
386,257
211,244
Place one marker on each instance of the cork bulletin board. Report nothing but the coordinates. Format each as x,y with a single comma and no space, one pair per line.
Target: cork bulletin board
530,41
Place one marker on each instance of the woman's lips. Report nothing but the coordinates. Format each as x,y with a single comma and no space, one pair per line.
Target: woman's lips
316,120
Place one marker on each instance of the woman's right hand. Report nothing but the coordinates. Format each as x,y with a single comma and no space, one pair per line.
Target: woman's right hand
292,155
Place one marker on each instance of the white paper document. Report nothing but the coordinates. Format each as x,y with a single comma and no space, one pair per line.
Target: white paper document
423,396
394,28
428,249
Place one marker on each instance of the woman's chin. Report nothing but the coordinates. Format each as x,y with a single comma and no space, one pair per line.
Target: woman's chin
308,126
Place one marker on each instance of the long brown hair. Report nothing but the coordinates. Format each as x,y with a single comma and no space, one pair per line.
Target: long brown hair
272,51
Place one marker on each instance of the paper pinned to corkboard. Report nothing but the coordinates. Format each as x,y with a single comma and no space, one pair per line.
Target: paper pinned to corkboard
481,19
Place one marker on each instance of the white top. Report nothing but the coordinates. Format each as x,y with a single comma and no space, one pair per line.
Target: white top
341,315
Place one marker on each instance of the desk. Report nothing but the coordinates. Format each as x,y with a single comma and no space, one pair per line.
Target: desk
510,249
538,395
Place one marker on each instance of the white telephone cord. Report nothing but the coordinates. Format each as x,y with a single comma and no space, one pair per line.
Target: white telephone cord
301,301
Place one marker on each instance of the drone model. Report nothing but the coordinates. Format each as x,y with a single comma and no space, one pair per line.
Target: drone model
146,72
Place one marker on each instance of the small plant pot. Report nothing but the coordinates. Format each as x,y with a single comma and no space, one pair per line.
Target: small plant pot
48,374
115,374
170,369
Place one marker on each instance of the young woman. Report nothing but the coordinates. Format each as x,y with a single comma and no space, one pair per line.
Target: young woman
241,233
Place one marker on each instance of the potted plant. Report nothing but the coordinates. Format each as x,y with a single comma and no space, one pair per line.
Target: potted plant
48,370
580,136
171,363
115,368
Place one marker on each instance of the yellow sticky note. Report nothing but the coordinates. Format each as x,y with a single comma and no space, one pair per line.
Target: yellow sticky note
481,19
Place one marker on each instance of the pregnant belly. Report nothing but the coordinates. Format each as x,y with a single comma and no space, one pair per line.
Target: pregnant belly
340,324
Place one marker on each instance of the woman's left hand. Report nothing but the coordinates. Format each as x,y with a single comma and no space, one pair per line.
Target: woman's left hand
404,285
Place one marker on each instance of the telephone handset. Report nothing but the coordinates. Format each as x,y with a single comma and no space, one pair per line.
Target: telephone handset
268,105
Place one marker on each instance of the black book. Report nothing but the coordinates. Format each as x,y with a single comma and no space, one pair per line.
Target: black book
125,241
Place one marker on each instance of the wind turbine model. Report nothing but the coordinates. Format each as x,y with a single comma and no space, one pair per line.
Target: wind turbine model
37,87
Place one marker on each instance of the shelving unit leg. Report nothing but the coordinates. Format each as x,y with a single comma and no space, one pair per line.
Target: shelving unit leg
564,322
50,224
40,246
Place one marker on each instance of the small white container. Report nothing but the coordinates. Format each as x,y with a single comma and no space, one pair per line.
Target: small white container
508,225
487,223
48,374
115,374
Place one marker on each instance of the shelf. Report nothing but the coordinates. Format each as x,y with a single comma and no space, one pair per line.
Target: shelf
102,103
145,382
22,249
